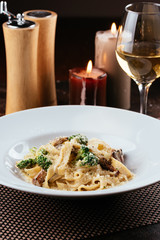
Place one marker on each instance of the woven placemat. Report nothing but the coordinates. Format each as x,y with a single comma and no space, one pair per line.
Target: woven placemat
29,216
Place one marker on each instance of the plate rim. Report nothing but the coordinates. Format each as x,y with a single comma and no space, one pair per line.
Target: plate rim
72,194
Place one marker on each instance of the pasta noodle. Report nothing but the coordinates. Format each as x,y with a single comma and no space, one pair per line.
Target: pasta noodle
75,164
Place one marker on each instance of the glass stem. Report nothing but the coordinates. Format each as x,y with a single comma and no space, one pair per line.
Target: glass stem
143,90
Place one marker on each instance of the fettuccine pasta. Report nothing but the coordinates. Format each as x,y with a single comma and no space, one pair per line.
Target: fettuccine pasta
75,164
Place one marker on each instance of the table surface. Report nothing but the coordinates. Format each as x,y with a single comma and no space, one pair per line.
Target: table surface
74,47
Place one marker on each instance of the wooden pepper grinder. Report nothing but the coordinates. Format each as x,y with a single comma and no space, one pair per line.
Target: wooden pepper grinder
21,41
46,45
4,14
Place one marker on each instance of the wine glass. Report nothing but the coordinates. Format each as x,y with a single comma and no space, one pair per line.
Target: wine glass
138,46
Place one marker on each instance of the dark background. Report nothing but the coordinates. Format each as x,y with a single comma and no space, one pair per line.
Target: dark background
77,23
74,8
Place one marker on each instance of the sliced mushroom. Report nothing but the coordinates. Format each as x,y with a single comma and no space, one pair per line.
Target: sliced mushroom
59,141
118,155
39,178
106,164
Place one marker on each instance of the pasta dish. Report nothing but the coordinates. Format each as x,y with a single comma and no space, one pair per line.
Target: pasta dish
75,164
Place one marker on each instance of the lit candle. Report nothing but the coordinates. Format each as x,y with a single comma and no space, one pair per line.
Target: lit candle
87,86
118,83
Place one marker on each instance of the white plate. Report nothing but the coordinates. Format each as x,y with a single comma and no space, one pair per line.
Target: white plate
138,135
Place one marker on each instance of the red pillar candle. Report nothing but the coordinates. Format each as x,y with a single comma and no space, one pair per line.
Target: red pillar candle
87,87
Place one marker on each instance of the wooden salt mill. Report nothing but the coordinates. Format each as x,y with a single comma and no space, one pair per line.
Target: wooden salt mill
46,45
21,41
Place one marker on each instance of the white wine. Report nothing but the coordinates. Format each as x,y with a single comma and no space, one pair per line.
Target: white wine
143,63
138,46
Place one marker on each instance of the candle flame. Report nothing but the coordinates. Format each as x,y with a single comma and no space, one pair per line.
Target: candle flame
89,66
113,28
120,29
